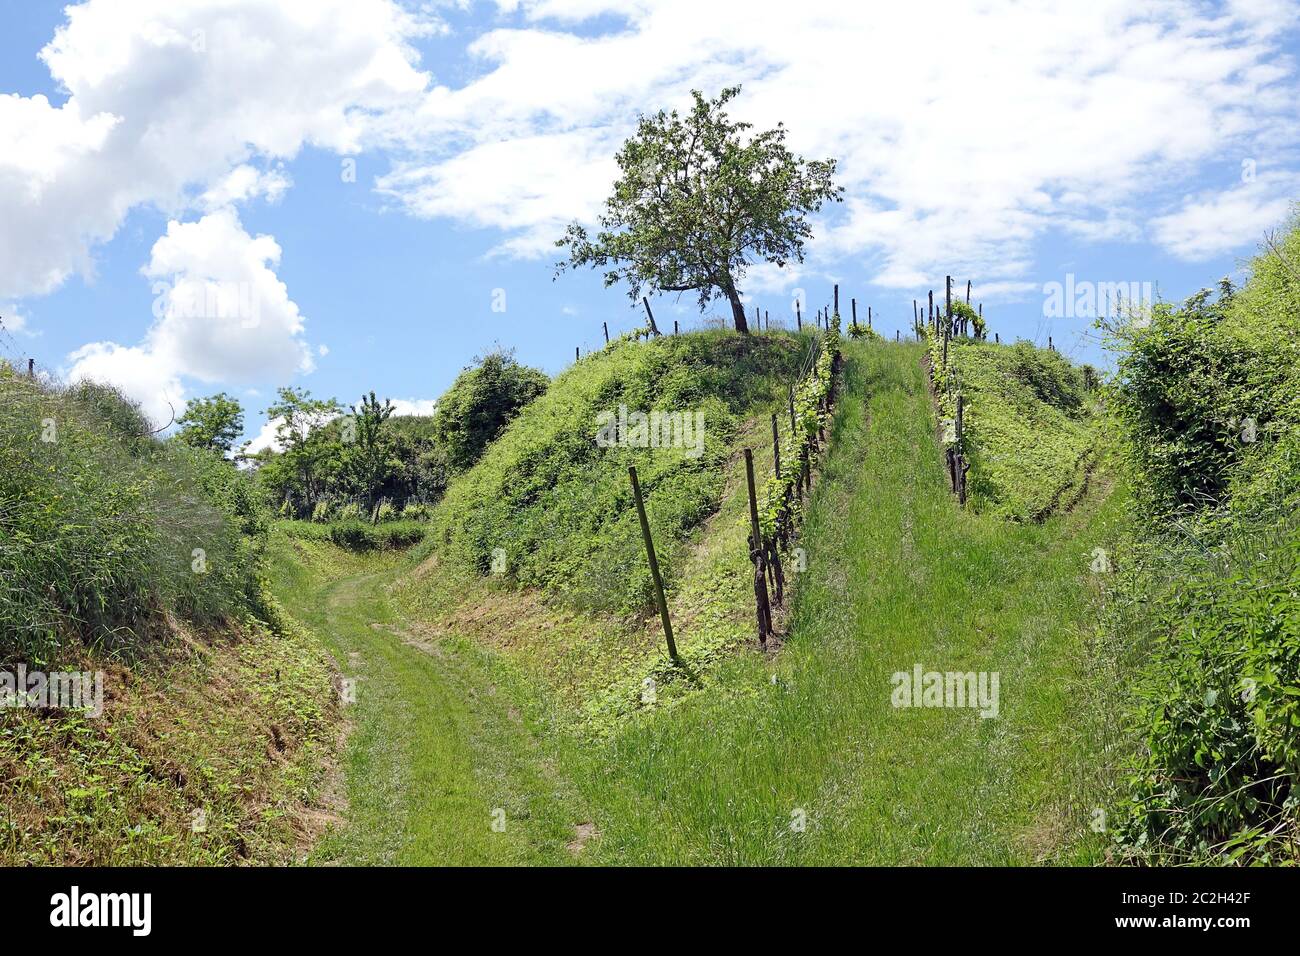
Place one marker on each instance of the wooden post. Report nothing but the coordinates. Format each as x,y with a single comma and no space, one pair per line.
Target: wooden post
947,295
854,304
896,335
961,455
931,319
997,339
868,317
577,352
756,554
798,315
758,318
776,448
837,299
674,326
1050,347
31,368
654,564
606,327
650,315
916,314
767,319
968,291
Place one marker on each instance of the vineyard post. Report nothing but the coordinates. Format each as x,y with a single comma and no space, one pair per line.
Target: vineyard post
947,296
931,320
767,319
776,449
868,318
961,451
31,368
798,315
674,326
654,565
997,338
756,554
758,318
605,325
837,299
853,303
650,315
577,352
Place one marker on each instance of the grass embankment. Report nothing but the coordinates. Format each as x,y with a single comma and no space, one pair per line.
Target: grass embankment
1028,428
138,559
450,728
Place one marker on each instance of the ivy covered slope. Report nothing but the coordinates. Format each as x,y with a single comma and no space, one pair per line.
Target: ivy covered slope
536,551
1029,430
554,497
1206,404
140,559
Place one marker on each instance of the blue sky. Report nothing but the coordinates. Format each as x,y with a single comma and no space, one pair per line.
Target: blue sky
182,144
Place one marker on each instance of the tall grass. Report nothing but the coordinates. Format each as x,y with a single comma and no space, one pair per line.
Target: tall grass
104,528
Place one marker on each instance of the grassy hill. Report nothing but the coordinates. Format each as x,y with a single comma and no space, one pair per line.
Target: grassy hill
139,559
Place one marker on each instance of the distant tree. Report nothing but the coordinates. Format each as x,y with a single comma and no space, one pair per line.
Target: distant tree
298,415
372,457
698,202
481,402
214,422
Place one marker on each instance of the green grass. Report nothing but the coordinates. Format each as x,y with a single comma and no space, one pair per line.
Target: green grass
897,575
438,740
1029,433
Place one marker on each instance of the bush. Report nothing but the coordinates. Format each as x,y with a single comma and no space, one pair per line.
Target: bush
417,511
385,511
323,512
1207,408
481,402
363,536
351,511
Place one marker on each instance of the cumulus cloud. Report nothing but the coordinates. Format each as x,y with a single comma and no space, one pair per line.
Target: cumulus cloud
1004,122
221,315
164,95
1213,223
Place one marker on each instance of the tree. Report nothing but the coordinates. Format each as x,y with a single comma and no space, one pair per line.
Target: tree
697,203
371,459
481,402
214,422
298,414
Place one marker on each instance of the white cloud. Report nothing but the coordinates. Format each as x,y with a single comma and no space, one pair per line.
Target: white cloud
1217,222
164,95
414,406
965,132
11,317
222,315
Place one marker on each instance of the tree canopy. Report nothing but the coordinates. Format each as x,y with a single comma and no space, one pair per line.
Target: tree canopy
481,402
214,422
697,202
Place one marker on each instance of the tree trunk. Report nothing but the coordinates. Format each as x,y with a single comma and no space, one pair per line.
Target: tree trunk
737,307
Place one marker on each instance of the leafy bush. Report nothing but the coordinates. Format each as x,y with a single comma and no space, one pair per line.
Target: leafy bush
350,511
417,511
385,512
363,536
481,402
1207,404
323,512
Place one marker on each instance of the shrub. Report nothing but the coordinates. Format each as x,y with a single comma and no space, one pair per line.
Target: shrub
385,512
323,511
480,402
350,511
